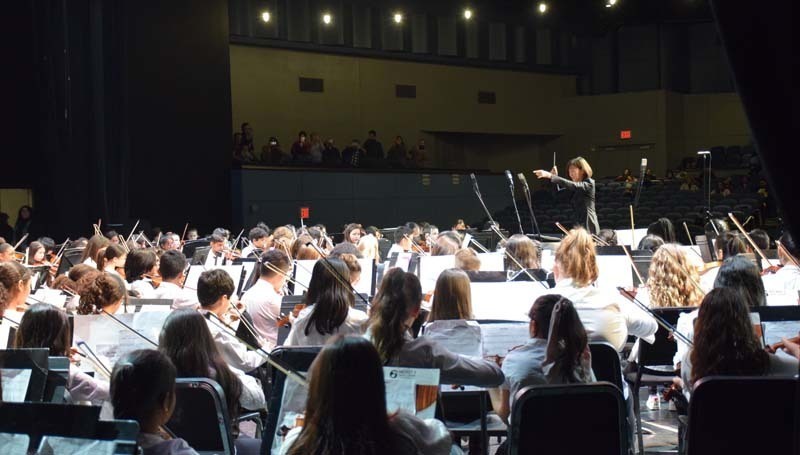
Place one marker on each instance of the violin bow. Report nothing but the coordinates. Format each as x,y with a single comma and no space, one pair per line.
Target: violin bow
133,230
633,264
633,229
661,321
749,239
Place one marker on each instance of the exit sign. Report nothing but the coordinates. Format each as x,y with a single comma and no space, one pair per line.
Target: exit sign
625,134
304,213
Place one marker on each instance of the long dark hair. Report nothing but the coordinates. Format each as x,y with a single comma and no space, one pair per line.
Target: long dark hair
400,295
740,274
138,263
331,299
44,326
141,383
186,340
663,228
335,423
568,340
724,340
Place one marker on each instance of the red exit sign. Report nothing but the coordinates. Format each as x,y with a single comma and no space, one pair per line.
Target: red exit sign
305,213
625,134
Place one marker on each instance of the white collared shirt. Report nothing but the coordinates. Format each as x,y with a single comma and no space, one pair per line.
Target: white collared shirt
232,350
352,325
210,259
144,288
181,298
782,286
264,305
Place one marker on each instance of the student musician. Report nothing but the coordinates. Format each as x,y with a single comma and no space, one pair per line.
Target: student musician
605,314
15,286
214,291
351,367
45,326
526,252
112,259
143,389
402,241
94,245
353,233
6,252
445,244
263,299
583,187
140,267
727,245
451,308
368,247
36,254
260,241
726,345
213,255
330,307
560,356
783,285
467,260
101,293
395,308
172,269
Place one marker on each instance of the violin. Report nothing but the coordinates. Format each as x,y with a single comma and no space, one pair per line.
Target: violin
771,269
285,321
155,279
708,266
773,348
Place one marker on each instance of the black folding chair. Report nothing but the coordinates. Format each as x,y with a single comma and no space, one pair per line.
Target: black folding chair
540,414
605,363
201,416
744,415
38,420
35,360
299,358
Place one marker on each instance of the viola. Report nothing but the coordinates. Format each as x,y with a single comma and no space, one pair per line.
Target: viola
286,321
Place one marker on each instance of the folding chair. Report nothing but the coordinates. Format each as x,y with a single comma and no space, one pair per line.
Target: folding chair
201,416
606,363
36,360
597,410
743,415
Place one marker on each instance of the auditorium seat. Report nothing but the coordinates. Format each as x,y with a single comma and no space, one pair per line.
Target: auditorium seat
595,414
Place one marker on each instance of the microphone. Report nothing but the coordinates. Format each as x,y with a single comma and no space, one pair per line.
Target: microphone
642,171
510,178
474,183
522,179
704,152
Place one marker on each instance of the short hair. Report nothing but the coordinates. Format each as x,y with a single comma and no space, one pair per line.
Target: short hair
222,232
212,285
216,238
372,230
650,242
172,264
761,238
402,232
345,248
609,236
257,233
467,260
576,257
165,239
302,133
48,243
372,132
138,263
583,165
276,259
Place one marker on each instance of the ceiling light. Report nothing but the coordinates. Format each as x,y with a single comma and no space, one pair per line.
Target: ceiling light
398,18
542,8
327,18
265,16
467,14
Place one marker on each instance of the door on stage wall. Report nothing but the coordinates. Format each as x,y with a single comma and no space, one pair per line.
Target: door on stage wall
11,199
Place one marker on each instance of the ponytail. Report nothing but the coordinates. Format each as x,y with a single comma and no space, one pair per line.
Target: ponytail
399,296
558,321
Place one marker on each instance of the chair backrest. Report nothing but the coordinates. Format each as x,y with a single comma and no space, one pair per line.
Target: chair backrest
743,415
663,349
201,415
57,380
545,420
605,363
299,359
35,360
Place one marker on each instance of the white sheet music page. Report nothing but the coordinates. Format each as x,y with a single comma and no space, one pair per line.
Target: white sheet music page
499,338
15,384
457,336
58,445
614,271
14,444
425,384
110,340
233,271
508,301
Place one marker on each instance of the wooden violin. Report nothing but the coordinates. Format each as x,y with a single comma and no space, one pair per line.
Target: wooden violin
771,269
773,348
155,279
285,321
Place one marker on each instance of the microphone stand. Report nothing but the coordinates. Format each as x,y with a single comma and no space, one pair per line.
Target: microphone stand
527,191
514,201
480,198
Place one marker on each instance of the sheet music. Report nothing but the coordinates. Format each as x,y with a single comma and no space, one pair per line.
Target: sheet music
58,445
403,261
499,338
425,382
400,394
458,336
15,384
548,259
293,405
775,330
14,444
509,301
430,267
304,269
492,262
233,271
249,268
52,296
624,236
110,340
615,271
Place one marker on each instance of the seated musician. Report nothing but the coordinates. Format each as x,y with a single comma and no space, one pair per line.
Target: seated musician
45,326
445,244
402,241
188,342
143,389
172,268
282,238
467,260
605,314
368,247
761,238
728,244
351,367
726,345
609,236
353,233
138,264
452,301
650,243
260,241
330,307
213,255
112,259
663,228
263,299
6,252
526,252
214,291
395,308
167,242
558,357
785,282
93,246
15,286
101,292
353,266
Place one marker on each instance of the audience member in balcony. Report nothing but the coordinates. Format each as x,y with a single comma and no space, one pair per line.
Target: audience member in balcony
663,228
273,154
670,175
374,150
353,154
689,184
330,154
248,142
24,225
397,155
301,149
316,149
418,155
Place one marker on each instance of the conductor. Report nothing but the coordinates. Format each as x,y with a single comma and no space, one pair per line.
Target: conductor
583,188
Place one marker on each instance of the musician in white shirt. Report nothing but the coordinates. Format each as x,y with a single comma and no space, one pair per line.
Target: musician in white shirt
260,241
605,314
139,264
782,286
214,291
402,241
172,268
263,299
